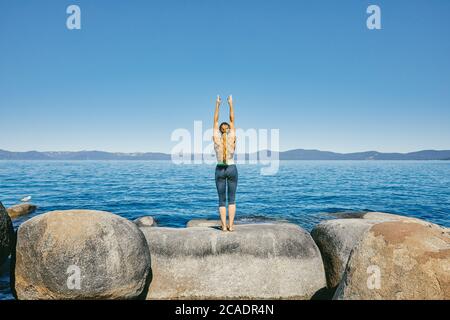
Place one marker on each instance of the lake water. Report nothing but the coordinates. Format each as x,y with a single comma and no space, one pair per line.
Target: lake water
302,192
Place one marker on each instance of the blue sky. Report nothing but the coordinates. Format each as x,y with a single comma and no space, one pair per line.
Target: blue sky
137,70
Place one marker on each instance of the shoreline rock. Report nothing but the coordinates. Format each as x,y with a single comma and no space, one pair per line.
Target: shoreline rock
122,259
6,234
398,259
336,239
256,261
80,254
146,221
21,209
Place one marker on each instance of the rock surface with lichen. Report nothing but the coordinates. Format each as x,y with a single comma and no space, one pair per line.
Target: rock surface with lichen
80,254
256,261
398,259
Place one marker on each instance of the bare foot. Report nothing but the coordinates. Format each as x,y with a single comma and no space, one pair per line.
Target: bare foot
230,228
224,228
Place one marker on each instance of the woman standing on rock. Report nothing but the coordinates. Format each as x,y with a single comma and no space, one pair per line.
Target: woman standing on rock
226,172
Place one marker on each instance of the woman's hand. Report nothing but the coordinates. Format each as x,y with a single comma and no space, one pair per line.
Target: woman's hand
216,117
230,103
230,99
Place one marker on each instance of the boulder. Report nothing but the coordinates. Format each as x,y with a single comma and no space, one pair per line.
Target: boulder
6,234
146,221
21,210
203,223
336,239
80,254
256,261
398,259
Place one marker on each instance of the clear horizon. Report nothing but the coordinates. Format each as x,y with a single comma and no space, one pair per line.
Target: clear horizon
136,72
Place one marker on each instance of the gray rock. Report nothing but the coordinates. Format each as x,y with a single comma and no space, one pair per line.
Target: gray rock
146,221
203,223
336,239
21,210
107,252
256,261
216,223
6,234
399,259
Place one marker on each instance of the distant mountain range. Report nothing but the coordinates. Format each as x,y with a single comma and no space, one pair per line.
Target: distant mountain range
81,155
297,154
300,154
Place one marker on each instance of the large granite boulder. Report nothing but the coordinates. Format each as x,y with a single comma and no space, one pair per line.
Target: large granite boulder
337,238
21,209
256,261
399,259
80,254
6,234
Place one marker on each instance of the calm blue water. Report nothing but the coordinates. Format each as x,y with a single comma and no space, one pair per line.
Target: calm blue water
303,192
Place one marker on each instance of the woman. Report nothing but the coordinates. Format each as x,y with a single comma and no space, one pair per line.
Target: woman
226,171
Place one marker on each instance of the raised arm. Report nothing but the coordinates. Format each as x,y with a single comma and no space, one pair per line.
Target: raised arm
216,119
230,103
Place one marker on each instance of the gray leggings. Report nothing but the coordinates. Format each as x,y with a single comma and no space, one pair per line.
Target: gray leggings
226,176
